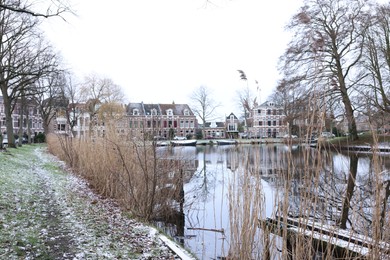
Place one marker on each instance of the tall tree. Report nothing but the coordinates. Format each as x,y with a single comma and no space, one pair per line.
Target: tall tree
203,106
51,97
294,101
23,59
49,8
98,92
377,59
326,50
246,99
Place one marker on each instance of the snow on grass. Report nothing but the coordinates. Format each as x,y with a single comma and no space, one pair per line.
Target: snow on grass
49,213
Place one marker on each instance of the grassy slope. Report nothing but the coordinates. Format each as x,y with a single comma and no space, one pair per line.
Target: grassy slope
364,139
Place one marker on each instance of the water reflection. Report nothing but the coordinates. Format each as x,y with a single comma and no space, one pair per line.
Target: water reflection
227,188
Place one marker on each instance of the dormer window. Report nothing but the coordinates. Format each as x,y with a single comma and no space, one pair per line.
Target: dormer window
154,112
231,118
170,112
186,112
135,112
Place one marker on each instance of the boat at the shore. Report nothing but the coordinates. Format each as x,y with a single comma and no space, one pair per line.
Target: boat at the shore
183,142
161,143
227,142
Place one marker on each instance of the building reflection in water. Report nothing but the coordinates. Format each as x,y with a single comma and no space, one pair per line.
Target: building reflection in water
201,221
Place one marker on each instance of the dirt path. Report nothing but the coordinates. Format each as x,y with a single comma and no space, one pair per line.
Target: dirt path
46,213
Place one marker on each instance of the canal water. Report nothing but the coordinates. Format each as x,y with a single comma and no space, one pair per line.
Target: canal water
227,188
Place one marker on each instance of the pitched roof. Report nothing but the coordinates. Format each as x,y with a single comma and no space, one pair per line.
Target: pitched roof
149,107
131,106
178,109
231,114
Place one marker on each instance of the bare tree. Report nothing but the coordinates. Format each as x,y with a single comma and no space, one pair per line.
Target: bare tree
203,105
51,97
24,58
246,99
46,9
377,59
295,102
96,92
326,50
102,89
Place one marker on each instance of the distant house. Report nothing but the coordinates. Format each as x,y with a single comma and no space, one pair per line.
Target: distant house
267,121
232,123
34,121
215,130
163,120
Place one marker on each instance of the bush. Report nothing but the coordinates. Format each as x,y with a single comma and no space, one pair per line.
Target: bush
40,138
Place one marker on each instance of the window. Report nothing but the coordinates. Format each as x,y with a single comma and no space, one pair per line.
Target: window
186,112
260,123
135,112
154,112
16,121
274,123
269,123
60,127
170,112
269,112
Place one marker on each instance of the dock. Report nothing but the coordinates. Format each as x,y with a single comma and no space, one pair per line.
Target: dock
343,243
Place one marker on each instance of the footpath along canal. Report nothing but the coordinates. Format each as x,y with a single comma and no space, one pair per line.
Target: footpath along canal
49,213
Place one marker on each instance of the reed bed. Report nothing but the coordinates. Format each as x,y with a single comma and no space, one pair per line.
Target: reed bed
338,213
144,183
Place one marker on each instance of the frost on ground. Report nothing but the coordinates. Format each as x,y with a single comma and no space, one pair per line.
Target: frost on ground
47,213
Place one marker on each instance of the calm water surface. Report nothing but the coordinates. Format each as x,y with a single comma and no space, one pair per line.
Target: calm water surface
213,185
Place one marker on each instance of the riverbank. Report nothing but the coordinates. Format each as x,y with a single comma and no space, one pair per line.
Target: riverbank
46,212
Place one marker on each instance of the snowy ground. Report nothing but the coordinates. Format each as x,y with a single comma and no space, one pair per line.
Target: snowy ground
47,213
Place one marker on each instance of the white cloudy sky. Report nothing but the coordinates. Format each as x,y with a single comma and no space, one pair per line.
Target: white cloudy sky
160,51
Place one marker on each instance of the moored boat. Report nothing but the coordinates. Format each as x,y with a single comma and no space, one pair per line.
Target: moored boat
183,142
227,142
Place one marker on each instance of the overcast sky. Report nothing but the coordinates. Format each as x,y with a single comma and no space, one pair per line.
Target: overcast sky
160,51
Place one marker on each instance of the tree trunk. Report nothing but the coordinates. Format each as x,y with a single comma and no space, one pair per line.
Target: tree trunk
9,121
353,164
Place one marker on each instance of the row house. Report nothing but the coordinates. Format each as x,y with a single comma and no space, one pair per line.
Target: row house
218,130
215,130
267,120
163,120
33,119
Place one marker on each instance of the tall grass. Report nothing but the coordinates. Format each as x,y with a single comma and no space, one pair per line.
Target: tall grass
323,200
126,169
